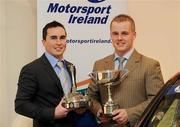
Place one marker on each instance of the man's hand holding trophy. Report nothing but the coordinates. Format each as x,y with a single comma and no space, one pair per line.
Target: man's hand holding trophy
108,78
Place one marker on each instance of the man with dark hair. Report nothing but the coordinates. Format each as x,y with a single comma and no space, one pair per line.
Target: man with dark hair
138,88
41,86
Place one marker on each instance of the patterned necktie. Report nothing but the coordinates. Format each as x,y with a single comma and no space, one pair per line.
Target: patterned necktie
63,75
121,61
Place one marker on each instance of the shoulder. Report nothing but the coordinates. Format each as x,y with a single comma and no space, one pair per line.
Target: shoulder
35,64
149,60
104,63
105,59
143,59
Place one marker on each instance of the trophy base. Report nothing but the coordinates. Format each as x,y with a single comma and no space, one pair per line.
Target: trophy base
109,108
75,105
76,100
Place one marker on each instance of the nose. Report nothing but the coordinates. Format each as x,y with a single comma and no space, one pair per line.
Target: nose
119,37
59,41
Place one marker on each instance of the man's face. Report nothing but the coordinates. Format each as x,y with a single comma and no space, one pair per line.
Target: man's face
122,37
55,42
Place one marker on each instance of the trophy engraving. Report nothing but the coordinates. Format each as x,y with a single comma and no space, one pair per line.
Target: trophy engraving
109,78
74,99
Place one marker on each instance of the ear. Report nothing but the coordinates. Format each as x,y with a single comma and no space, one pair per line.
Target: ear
134,35
43,42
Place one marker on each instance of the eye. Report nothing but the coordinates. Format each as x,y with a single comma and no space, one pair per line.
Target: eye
62,37
125,33
53,37
115,33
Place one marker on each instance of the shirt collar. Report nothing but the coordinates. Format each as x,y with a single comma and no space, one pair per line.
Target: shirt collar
127,55
53,60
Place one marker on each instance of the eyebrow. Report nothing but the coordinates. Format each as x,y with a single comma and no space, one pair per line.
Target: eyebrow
61,37
115,32
125,32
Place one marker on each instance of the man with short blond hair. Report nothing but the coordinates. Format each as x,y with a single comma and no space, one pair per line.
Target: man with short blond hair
139,87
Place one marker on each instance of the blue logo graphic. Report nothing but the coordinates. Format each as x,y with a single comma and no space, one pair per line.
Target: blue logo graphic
96,1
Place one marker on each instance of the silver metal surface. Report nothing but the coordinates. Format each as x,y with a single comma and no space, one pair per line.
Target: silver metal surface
109,78
109,108
72,70
74,99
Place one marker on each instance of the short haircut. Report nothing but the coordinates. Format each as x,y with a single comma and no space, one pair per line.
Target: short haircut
123,18
51,25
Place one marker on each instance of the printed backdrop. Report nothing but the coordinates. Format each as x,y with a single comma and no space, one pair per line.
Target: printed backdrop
87,24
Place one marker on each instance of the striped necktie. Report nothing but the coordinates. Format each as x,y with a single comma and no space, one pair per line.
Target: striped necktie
121,61
63,75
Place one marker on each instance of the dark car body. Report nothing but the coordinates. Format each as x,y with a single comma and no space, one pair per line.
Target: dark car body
164,109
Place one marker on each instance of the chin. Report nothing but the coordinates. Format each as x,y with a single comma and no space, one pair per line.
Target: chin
121,50
57,55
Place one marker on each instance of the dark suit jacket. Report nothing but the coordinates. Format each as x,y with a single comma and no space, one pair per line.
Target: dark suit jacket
39,92
136,90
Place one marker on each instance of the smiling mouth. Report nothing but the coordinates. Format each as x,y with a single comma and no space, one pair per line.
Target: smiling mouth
59,48
121,43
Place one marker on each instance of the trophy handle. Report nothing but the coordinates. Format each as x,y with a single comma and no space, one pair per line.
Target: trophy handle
72,70
92,78
122,76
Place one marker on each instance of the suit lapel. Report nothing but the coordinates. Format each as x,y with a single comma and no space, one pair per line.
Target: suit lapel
133,61
50,71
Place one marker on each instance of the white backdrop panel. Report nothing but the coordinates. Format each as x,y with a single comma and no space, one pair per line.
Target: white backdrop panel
87,24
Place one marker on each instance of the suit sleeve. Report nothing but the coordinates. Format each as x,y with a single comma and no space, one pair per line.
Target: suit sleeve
24,104
153,82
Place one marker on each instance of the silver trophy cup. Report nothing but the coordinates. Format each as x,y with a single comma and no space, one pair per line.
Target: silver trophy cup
74,99
109,78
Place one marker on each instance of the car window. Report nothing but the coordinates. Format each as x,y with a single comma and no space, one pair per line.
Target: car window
170,117
168,111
